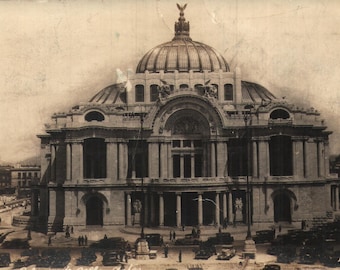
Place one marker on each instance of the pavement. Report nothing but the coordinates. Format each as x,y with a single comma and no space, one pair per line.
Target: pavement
130,234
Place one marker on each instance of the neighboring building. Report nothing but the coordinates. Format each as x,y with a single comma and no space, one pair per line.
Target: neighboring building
5,180
23,176
180,145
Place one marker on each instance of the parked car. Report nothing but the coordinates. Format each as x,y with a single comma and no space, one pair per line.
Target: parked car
189,239
110,258
16,243
226,253
5,259
154,239
202,254
272,267
112,243
221,239
264,236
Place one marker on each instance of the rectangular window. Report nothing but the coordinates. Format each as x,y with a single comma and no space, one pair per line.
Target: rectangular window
176,143
187,166
176,166
228,92
186,143
198,165
139,93
153,92
19,175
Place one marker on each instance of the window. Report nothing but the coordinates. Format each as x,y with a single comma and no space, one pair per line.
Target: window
281,156
19,175
228,92
94,116
94,158
139,93
183,86
279,114
153,92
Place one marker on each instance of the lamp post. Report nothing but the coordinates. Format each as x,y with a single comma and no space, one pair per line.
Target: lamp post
142,116
249,247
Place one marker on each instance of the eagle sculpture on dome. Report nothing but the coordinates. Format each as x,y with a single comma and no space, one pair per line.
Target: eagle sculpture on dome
181,8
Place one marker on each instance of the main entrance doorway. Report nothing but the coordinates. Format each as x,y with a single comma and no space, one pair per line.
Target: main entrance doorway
94,211
282,208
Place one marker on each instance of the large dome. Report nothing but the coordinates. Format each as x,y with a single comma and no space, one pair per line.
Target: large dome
182,54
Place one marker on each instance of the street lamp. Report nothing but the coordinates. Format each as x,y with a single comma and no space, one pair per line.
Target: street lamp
142,113
249,248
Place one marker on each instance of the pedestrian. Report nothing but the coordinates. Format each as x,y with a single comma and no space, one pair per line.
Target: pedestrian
219,229
126,258
72,229
105,236
198,233
79,240
180,256
82,240
183,227
49,240
170,236
85,240
280,228
174,236
166,250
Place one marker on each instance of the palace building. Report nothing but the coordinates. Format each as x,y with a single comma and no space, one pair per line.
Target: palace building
180,142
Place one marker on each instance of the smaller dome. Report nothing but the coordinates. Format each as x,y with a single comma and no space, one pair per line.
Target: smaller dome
113,94
253,92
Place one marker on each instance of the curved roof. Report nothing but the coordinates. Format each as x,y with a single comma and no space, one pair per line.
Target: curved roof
182,54
253,92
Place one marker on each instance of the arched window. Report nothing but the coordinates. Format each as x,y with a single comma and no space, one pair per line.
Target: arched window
281,156
94,158
183,86
228,92
153,92
279,114
139,93
94,116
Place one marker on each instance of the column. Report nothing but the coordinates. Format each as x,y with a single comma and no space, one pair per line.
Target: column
111,160
128,209
298,157
222,158
161,209
192,157
181,165
321,159
169,155
263,147
53,163
52,202
164,160
146,209
81,161
153,160
152,209
200,209
217,209
122,160
77,161
326,147
336,198
178,210
255,161
68,162
230,208
224,205
213,159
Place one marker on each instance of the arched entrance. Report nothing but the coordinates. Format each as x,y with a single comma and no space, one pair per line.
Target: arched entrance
94,211
282,207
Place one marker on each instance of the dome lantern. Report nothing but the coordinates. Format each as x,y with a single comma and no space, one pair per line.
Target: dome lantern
182,28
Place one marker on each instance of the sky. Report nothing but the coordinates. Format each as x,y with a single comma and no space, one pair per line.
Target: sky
56,54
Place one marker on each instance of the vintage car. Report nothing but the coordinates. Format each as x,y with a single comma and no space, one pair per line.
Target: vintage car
272,267
189,239
221,238
5,259
226,253
110,258
202,254
264,236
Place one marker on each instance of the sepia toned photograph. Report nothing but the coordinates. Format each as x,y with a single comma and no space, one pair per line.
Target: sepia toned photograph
169,135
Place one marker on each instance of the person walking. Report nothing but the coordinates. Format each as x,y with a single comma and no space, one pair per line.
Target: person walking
180,256
166,250
85,240
174,236
49,240
170,235
79,240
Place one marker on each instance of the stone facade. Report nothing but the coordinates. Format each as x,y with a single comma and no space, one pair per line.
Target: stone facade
179,143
